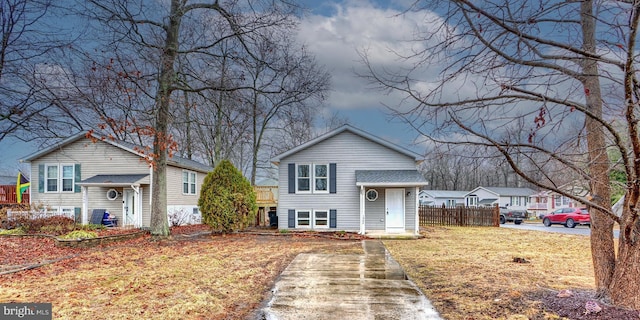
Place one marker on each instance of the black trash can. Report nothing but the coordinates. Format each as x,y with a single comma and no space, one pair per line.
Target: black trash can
273,219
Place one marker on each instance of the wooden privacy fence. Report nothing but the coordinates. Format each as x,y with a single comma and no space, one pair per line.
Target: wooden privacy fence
8,195
459,216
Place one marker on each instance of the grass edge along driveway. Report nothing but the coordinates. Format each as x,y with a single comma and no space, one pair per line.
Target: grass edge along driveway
470,273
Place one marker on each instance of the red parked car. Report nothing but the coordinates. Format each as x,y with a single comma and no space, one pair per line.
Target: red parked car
569,217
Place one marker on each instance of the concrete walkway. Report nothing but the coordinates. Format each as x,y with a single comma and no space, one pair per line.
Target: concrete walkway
342,286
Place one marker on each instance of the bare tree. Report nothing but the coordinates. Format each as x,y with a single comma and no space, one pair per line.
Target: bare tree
30,39
552,84
158,33
287,80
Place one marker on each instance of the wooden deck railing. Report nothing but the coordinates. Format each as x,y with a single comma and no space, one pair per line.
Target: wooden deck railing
459,216
265,195
8,195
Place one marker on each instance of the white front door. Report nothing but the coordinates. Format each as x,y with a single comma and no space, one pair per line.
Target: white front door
394,201
129,208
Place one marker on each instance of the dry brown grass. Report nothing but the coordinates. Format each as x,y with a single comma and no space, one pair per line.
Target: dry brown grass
212,278
469,273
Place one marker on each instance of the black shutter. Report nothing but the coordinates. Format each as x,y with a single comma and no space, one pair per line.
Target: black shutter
77,178
292,218
292,178
332,178
41,178
333,215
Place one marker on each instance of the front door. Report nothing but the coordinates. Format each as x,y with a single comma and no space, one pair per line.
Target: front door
394,201
128,207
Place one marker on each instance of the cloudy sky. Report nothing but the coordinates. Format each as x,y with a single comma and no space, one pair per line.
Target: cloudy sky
335,31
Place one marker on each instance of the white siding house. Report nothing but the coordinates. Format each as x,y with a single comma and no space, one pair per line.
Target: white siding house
349,180
439,198
516,198
88,171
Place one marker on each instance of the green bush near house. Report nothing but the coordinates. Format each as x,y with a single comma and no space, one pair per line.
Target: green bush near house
227,200
79,234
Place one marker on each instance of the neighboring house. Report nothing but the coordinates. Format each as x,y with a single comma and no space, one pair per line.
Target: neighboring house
547,201
442,197
267,200
87,171
516,198
349,180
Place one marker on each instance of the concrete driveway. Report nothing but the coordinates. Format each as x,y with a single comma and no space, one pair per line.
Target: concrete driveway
347,286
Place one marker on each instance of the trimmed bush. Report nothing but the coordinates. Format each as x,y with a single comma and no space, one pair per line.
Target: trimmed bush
227,200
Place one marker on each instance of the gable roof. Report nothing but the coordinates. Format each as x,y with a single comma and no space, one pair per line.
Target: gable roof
126,146
505,192
347,128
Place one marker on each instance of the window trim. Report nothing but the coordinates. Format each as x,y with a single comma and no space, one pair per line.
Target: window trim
72,178
310,178
191,185
310,225
315,219
60,177
47,178
326,165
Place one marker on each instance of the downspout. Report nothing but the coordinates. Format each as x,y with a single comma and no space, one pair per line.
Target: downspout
362,218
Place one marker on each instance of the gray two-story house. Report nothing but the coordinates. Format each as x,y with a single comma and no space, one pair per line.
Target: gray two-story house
349,180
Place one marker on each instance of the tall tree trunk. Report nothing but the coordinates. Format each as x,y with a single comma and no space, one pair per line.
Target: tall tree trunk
625,285
602,247
159,223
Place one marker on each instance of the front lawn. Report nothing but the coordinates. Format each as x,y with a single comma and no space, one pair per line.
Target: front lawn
478,273
219,277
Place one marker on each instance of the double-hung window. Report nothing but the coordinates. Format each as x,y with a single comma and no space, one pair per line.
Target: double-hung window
321,219
52,178
321,178
188,182
312,178
59,178
67,178
303,219
303,178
